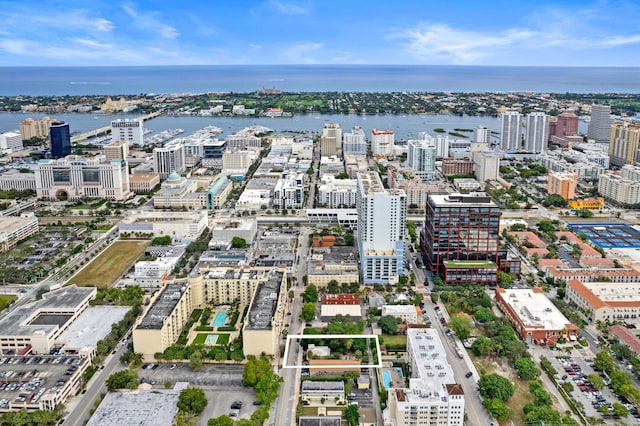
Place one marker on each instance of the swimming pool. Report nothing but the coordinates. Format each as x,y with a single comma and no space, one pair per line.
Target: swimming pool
386,378
398,371
220,319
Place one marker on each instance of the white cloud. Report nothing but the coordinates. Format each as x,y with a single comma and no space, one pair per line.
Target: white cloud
289,8
148,21
299,53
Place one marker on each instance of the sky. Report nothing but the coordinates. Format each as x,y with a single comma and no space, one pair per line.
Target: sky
402,32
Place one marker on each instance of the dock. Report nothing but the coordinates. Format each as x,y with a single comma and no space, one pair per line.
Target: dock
105,130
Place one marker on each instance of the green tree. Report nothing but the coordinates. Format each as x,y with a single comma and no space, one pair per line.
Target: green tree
505,279
461,327
333,287
482,346
567,386
223,420
161,241
124,379
388,324
308,311
497,408
596,380
526,368
195,360
603,361
310,294
620,410
192,400
237,242
495,386
352,415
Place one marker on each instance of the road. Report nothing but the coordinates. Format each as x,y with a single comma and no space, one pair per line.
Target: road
81,412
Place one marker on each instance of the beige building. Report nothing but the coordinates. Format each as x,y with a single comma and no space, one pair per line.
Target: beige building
265,320
320,393
110,105
562,184
13,179
624,143
407,313
622,187
181,225
30,128
606,301
237,160
14,229
337,263
486,166
143,183
117,150
225,285
416,189
163,322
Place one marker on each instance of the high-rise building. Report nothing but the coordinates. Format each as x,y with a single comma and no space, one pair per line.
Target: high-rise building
624,145
600,124
10,142
354,142
30,128
486,165
537,134
331,140
622,188
460,239
482,134
382,215
511,134
169,159
566,125
118,150
131,131
382,142
60,139
75,177
433,397
563,184
421,157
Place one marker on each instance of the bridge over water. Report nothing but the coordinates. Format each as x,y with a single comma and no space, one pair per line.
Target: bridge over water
107,129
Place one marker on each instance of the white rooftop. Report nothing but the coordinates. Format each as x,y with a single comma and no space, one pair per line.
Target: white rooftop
535,309
92,325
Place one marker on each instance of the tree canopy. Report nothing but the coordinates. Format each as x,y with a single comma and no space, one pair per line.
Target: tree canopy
124,379
308,311
192,400
526,368
310,294
495,386
461,327
388,324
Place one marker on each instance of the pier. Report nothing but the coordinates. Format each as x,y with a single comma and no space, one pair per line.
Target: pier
105,130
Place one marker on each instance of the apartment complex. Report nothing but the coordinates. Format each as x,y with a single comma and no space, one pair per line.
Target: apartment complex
600,124
460,238
169,159
563,184
421,157
621,187
511,133
606,301
337,193
457,166
433,396
382,215
537,133
354,143
75,177
38,128
624,144
331,140
131,131
382,142
534,316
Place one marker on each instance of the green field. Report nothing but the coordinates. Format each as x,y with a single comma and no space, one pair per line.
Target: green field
108,266
202,337
394,340
468,264
6,300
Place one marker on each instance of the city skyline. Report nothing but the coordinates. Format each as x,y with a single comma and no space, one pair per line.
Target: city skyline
75,33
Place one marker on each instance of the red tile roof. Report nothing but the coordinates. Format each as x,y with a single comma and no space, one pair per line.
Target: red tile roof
340,299
627,337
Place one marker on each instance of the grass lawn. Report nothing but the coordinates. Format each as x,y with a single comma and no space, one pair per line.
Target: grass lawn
108,266
395,340
202,337
6,300
65,219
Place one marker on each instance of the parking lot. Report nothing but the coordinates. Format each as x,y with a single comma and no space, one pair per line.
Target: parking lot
576,370
221,383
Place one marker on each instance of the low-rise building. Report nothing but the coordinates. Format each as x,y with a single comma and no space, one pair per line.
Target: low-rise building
143,183
467,184
224,229
626,337
320,421
337,263
433,396
407,313
534,317
606,301
318,393
14,229
179,225
340,304
13,179
153,407
150,273
457,166
265,318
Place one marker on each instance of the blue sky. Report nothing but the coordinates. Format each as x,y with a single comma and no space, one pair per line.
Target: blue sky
161,32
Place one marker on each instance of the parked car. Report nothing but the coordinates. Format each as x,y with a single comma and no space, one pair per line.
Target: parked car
469,374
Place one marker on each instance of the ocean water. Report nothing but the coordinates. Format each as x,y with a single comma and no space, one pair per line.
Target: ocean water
59,81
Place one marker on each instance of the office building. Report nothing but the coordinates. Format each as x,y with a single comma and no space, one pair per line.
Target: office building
382,142
331,140
186,225
537,134
14,229
143,183
606,301
622,188
486,166
131,131
75,177
563,184
169,159
13,179
457,166
460,239
421,157
511,133
566,125
10,142
382,216
534,316
39,128
354,143
433,396
624,144
117,150
600,124
482,134
60,139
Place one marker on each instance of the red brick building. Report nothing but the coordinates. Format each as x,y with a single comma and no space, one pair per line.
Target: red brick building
457,166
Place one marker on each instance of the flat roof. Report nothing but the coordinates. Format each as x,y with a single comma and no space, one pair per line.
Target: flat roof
429,381
533,308
320,421
469,264
473,199
316,386
92,325
163,306
265,302
65,300
9,224
609,235
156,407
